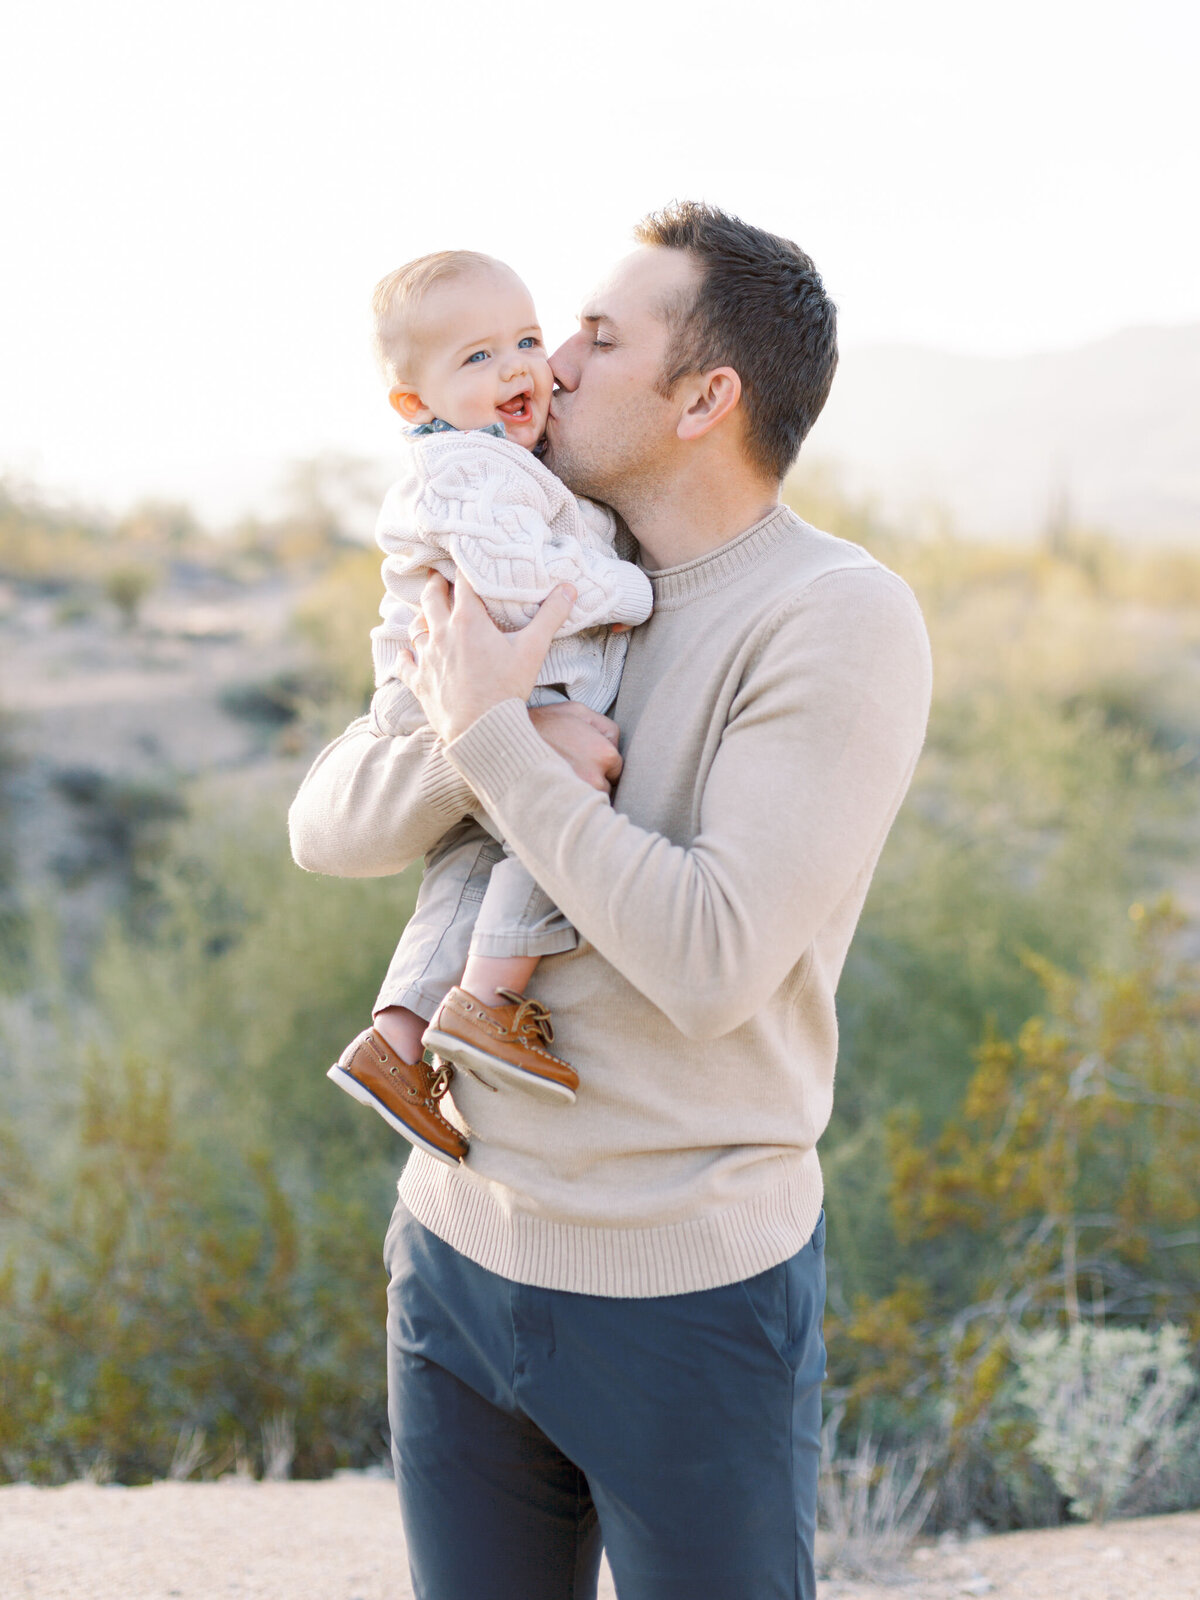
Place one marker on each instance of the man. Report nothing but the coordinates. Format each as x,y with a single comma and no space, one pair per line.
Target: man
606,1325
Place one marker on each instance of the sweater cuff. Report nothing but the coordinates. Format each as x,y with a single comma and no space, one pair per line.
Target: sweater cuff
385,652
633,599
498,748
443,788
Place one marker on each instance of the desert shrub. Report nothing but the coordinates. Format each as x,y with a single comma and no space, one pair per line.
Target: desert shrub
123,824
251,975
1113,1424
11,763
159,526
336,616
277,700
77,552
1032,826
12,908
1057,788
76,606
39,541
1069,1169
126,588
1062,1188
190,1214
176,1286
870,1506
329,503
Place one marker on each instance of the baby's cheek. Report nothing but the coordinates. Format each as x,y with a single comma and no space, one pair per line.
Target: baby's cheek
543,389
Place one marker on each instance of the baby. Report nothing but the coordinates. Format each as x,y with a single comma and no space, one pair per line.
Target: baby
458,339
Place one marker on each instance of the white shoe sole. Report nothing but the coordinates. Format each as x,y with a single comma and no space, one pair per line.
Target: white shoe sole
483,1065
366,1098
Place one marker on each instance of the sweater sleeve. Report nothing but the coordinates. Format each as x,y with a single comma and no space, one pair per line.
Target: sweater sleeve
409,557
817,752
379,797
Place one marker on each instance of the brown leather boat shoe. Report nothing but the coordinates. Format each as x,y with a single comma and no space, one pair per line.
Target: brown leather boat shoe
405,1093
502,1042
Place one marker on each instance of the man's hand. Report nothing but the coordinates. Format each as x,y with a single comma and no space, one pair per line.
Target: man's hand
461,665
583,738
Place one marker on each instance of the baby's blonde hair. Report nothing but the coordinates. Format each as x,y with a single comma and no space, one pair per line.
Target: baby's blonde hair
398,296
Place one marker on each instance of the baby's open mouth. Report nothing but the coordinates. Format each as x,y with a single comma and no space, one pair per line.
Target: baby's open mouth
518,408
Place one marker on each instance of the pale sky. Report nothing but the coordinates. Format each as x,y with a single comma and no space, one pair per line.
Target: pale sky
198,200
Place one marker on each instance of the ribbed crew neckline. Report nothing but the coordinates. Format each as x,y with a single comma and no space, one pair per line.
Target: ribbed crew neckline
706,574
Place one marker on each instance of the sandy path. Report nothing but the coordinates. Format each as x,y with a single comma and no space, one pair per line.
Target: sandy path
1153,1558
335,1540
341,1540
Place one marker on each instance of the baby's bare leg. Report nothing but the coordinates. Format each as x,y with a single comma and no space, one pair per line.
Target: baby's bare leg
402,1029
484,976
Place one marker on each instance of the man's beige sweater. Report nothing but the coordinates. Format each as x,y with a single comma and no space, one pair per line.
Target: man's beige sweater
771,714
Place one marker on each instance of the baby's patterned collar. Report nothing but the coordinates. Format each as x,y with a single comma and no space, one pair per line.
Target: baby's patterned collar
496,429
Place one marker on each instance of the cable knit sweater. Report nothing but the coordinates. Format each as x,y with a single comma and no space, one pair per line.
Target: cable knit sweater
476,504
771,713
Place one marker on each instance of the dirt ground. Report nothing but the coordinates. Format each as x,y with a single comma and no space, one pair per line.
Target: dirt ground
341,1540
1153,1558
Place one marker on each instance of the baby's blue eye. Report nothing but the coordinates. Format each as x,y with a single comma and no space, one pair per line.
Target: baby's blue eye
480,355
528,342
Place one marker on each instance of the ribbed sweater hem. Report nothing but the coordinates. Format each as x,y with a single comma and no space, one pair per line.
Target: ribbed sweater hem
701,1252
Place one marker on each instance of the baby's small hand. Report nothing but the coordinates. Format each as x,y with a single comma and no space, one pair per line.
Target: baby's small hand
620,627
586,740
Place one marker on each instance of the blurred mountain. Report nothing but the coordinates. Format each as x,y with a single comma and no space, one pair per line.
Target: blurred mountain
1106,436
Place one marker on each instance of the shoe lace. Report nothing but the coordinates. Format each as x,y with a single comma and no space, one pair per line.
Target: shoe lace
532,1016
440,1081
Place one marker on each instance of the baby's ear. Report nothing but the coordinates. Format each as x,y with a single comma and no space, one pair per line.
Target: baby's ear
407,403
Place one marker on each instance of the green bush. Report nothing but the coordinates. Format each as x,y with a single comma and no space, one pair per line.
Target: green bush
122,825
180,1288
1060,1188
12,919
126,587
190,1213
1113,1423
278,700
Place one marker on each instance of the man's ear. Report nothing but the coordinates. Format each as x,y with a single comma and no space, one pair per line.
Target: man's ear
408,405
714,395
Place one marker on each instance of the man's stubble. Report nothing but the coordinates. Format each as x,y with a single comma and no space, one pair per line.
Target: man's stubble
622,464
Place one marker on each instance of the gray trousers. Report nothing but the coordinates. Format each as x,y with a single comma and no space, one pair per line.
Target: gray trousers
475,899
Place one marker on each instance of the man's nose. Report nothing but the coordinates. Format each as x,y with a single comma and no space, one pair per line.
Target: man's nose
564,363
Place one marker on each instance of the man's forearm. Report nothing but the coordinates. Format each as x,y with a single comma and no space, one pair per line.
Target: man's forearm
373,803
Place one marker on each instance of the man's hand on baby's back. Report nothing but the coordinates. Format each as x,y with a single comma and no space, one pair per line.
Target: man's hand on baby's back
586,740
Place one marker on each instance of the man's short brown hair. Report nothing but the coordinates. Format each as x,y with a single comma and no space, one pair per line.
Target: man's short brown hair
761,309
